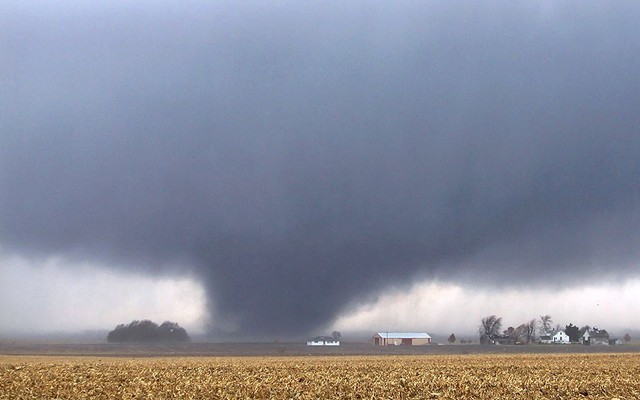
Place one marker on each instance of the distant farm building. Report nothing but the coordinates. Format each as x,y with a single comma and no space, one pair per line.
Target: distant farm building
401,338
545,339
596,337
323,341
561,337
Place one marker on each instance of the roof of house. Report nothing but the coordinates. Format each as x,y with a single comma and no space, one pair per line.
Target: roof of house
601,334
403,335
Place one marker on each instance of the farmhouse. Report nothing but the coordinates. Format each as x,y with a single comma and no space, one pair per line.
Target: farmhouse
561,337
398,338
545,339
323,341
596,337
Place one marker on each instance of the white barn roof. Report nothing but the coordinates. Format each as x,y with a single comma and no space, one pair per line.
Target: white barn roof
404,335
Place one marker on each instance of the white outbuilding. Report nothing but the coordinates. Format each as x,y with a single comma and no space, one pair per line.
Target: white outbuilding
323,341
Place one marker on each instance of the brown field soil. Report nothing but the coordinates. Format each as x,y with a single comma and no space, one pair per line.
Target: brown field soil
472,376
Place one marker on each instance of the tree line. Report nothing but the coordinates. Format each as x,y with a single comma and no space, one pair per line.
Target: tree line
148,331
490,330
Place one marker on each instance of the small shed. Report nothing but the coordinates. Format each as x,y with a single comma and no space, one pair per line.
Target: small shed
401,338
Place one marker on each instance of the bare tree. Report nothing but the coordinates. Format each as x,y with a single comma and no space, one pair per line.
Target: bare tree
545,324
627,338
489,327
452,338
527,331
513,335
531,327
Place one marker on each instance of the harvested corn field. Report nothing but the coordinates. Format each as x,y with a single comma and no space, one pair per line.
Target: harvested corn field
576,376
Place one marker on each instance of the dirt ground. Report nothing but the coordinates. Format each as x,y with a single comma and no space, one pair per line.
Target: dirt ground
475,376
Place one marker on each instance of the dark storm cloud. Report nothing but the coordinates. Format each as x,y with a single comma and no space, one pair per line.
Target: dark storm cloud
301,156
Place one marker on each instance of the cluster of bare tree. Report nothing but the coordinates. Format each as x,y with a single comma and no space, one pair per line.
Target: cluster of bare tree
148,331
490,330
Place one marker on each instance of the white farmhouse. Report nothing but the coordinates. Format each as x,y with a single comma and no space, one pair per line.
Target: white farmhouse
561,338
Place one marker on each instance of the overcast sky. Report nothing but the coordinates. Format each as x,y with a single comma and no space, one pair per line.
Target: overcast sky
51,297
290,164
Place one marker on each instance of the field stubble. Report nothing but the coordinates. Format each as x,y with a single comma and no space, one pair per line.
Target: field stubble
526,376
